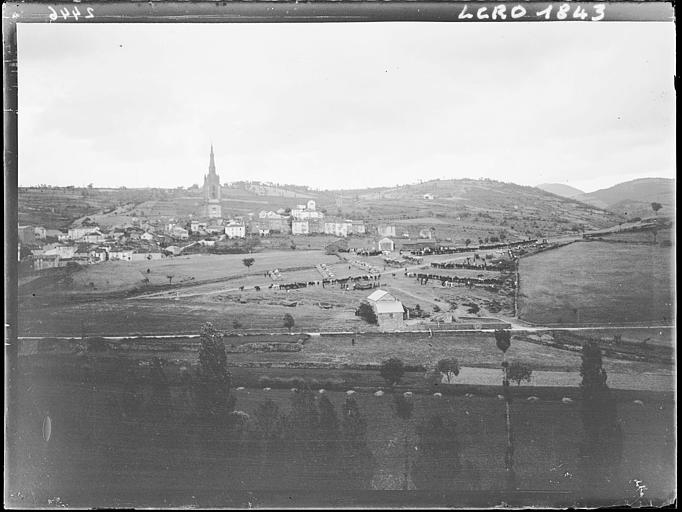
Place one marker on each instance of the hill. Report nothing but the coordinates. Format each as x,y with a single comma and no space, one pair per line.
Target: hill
560,189
451,210
634,197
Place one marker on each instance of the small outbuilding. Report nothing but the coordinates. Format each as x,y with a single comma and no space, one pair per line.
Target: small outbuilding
386,244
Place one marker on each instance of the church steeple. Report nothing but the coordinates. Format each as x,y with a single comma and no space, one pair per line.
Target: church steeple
212,190
211,163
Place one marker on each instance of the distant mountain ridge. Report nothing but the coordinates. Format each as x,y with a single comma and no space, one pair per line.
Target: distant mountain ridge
630,198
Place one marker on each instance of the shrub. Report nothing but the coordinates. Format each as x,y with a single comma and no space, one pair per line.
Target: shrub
288,321
392,370
449,368
366,312
519,372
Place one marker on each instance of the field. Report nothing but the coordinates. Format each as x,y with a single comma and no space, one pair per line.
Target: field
118,276
98,456
598,283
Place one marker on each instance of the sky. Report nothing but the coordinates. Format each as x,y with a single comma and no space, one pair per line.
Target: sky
346,105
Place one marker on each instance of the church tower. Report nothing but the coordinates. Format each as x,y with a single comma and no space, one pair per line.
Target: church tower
212,190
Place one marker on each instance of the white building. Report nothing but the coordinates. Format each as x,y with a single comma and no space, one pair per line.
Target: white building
40,232
429,197
300,227
63,251
337,228
358,227
198,225
306,211
80,233
179,232
386,244
235,230
121,255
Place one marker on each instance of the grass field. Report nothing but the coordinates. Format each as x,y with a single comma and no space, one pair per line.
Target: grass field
116,276
596,282
97,453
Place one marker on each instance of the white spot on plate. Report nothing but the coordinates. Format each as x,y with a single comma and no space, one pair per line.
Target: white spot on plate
379,393
47,428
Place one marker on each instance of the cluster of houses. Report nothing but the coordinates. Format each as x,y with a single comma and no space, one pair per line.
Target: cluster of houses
89,243
305,219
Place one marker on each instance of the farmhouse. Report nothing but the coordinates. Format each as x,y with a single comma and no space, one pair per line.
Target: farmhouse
389,310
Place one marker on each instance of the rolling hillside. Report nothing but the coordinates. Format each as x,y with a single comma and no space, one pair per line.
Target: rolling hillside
560,189
451,210
635,197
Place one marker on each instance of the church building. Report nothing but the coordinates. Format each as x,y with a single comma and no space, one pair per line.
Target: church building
212,190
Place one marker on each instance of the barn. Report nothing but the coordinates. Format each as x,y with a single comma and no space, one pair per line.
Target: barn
389,310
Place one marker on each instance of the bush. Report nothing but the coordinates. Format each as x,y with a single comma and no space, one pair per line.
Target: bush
392,370
519,372
366,312
449,368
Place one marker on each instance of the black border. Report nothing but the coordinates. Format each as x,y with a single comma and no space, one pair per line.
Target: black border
273,11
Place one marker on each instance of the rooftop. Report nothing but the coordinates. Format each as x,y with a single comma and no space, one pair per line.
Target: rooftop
389,307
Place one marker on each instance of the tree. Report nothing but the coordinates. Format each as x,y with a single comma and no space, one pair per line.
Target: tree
467,242
248,262
170,279
288,321
519,372
366,312
269,429
601,450
357,462
449,368
503,342
392,370
330,440
438,454
213,383
503,339
591,370
302,439
656,206
403,408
